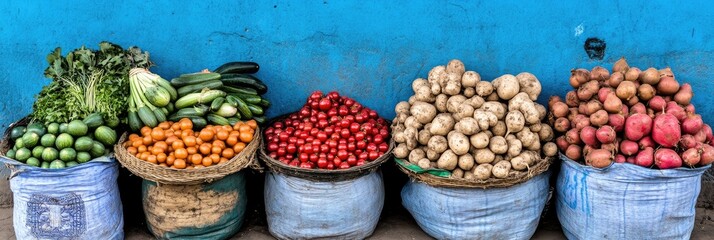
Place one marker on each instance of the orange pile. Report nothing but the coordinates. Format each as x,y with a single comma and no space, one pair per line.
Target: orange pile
176,145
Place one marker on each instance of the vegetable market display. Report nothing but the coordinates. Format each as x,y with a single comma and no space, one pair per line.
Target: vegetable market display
474,129
87,81
57,146
176,145
222,97
630,116
328,132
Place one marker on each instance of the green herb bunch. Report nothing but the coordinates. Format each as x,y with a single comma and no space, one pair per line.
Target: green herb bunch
86,81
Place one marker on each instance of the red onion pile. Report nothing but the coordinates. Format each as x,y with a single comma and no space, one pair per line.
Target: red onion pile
329,132
630,116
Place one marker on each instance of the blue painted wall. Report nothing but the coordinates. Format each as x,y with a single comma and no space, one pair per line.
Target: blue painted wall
370,50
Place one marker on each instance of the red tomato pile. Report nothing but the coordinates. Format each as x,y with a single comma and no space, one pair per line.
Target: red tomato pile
329,132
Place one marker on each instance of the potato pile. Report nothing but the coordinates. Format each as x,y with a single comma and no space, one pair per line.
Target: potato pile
475,129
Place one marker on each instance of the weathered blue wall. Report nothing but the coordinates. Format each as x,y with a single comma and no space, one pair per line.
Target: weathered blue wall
370,50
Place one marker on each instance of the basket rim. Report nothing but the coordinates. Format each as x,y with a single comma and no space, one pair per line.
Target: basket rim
377,162
435,181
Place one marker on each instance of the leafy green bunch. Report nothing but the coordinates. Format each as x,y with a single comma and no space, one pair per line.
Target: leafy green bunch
86,81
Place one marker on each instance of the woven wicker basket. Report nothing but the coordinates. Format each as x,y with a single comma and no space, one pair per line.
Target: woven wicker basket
165,175
322,175
514,177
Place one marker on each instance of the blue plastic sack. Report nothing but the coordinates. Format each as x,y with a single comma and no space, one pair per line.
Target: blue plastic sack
471,213
212,210
626,201
302,209
81,202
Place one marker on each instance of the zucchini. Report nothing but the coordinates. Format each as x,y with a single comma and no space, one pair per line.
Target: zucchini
216,104
198,110
252,99
257,111
218,120
165,111
244,80
175,117
194,88
198,122
134,121
170,107
242,107
157,96
231,100
147,117
260,119
194,119
194,78
241,90
233,120
167,85
238,67
195,98
160,116
264,103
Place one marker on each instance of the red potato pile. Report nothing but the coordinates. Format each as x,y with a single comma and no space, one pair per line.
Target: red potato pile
630,116
329,132
475,129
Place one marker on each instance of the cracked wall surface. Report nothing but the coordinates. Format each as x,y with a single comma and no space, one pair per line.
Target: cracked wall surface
370,50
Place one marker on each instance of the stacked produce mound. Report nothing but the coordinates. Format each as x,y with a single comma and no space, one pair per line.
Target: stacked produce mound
61,145
222,97
630,116
176,145
329,132
474,129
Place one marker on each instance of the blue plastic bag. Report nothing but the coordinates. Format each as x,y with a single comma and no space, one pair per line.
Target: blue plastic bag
81,202
302,209
626,201
472,213
212,210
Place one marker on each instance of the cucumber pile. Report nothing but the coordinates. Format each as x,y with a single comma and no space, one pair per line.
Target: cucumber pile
57,146
222,97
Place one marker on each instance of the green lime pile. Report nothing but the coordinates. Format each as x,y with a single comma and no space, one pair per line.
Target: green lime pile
62,145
